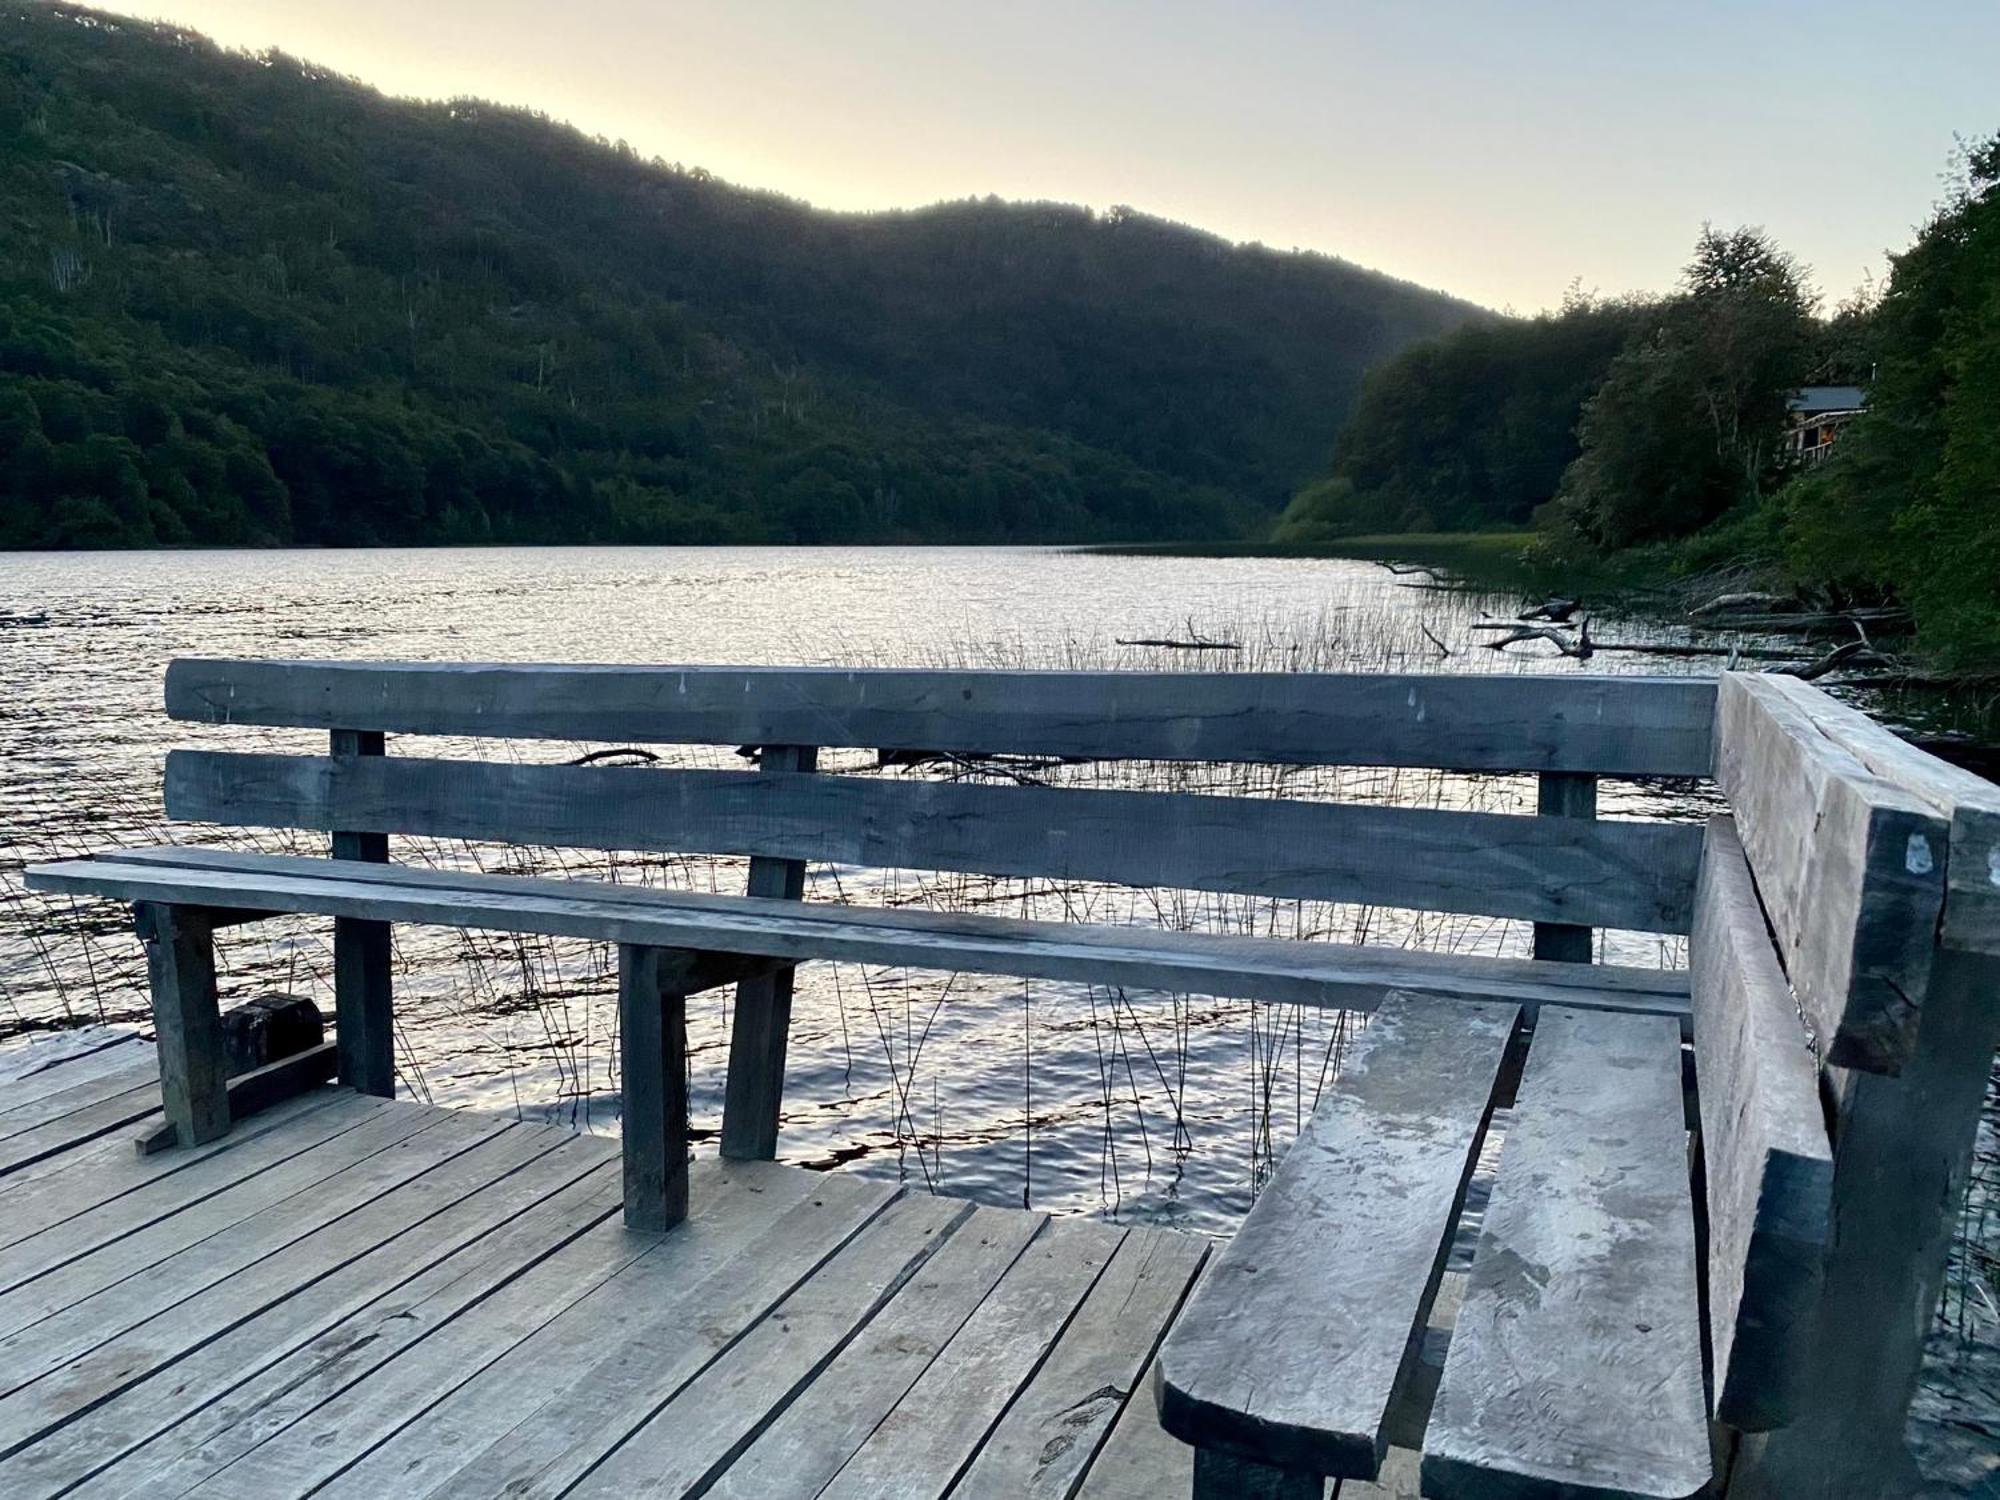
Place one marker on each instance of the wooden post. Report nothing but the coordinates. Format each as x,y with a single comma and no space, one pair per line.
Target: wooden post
187,1019
1901,1152
1565,794
754,1092
363,999
1219,1476
652,1028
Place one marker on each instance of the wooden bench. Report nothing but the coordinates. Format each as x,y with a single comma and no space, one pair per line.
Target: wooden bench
1631,1305
1638,1320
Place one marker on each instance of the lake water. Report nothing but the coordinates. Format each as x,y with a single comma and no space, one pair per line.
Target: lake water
1072,1098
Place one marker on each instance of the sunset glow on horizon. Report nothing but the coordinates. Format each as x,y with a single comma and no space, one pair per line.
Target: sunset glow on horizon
1499,153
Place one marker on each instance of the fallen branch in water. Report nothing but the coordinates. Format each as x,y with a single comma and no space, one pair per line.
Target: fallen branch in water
1555,611
1194,642
1853,654
1443,649
1580,649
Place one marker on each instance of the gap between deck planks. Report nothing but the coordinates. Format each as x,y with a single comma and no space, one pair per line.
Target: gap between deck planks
356,1297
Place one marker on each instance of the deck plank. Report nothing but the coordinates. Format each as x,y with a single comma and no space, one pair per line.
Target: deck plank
53,1137
18,1113
687,1442
165,1197
925,1442
99,1171
315,1445
118,1297
179,1444
543,1413
1055,1426
1575,1366
142,1383
805,1447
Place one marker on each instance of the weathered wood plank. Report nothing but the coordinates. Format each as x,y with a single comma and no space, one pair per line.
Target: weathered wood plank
1048,1437
1140,1459
1851,869
1320,974
552,1314
1289,1353
931,1434
187,1020
165,1444
652,1087
1575,1365
539,1419
1769,1162
59,1317
92,1229
805,1447
100,1171
52,1138
401,1216
687,1442
1634,875
760,1024
1970,803
1565,794
26,1113
258,1089
1644,726
363,993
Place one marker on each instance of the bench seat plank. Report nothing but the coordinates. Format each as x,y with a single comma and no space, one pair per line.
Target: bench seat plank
1272,969
1575,1367
1764,1139
1289,1353
1614,725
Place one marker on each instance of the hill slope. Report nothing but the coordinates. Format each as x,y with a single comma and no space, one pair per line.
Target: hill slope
243,300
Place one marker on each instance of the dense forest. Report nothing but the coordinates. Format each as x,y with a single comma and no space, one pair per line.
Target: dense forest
243,301
1652,429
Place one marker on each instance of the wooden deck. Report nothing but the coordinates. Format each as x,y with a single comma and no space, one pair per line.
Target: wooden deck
356,1297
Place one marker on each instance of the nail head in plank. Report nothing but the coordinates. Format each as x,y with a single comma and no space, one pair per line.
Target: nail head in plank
1769,1162
1850,869
1614,725
1625,874
1290,1351
1575,1365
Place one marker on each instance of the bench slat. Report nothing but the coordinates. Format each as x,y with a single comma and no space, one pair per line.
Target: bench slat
1575,1365
1275,969
1290,1351
1769,1162
1850,868
1618,726
1636,875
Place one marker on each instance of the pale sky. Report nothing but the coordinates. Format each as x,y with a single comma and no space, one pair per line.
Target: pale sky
1493,148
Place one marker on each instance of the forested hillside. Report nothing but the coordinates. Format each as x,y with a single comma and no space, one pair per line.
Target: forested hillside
245,301
1654,429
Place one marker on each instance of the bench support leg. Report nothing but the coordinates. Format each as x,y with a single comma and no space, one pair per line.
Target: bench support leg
1902,1152
762,1022
1219,1476
363,1006
653,1083
1565,794
363,1003
187,1020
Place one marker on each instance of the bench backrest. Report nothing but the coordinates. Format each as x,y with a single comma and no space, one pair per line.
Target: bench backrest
1566,870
